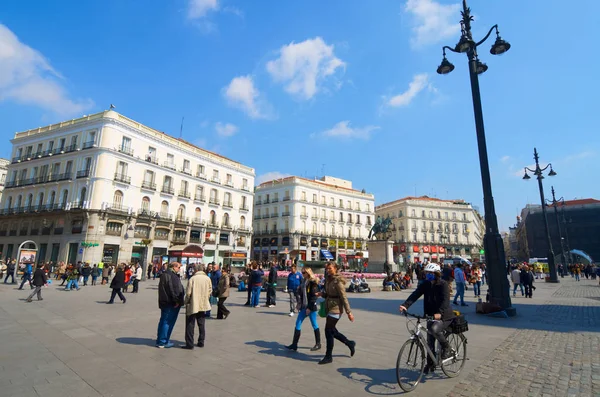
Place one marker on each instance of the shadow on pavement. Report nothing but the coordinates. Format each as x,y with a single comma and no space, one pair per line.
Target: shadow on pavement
379,382
137,341
275,313
279,350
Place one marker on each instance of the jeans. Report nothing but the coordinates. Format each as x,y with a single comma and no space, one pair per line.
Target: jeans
73,283
576,277
85,279
190,324
302,315
94,278
26,277
38,291
293,301
515,289
135,285
460,291
11,275
115,292
255,296
168,317
271,296
477,288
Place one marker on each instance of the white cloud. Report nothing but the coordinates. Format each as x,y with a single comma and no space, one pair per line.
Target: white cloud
198,9
419,82
344,130
434,22
269,176
225,130
242,93
27,77
579,156
505,159
303,67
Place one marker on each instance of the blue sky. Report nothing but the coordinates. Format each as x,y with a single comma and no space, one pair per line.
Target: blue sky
344,86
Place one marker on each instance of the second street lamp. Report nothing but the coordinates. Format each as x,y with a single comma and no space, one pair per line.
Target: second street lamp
499,289
554,203
539,173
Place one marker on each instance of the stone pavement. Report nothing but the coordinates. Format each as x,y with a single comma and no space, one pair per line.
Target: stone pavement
72,344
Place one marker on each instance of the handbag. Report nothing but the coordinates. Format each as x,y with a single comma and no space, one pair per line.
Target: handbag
322,310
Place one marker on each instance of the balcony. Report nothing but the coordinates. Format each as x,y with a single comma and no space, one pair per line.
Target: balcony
200,197
314,218
184,194
229,183
244,229
148,185
227,226
215,180
182,219
286,213
256,217
164,216
180,239
198,222
324,219
213,201
213,225
341,221
227,204
83,174
287,198
145,213
152,159
303,199
267,201
258,202
88,145
167,190
117,207
275,215
245,188
332,220
304,216
67,176
110,232
170,165
125,150
358,223
200,175
350,222
122,178
275,200
186,171
315,202
266,216
244,207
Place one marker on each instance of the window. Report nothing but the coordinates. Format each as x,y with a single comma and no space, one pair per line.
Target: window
197,214
400,214
303,196
431,225
368,208
213,196
424,236
323,200
357,206
121,169
181,212
445,215
432,237
40,200
65,197
423,214
148,179
303,210
146,204
184,187
314,228
126,144
170,160
167,182
368,221
454,216
456,239
114,228
431,214
275,197
464,217
323,214
243,221
229,180
215,175
332,215
226,219
314,212
412,213
439,215
465,229
186,165
358,219
52,198
164,208
118,199
200,171
227,200
414,236
39,148
349,204
332,201
151,157
454,228
424,225
245,185
82,196
315,199
199,193
74,140
341,203
213,217
69,168
244,204
341,217
61,144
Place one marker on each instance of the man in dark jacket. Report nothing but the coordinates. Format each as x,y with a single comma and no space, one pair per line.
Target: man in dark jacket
27,275
86,272
117,283
293,285
170,299
271,285
10,271
39,280
437,304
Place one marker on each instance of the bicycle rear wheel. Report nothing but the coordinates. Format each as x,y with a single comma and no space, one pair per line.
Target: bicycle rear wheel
453,366
410,365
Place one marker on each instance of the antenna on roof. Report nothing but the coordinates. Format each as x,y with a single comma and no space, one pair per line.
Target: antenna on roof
112,106
181,128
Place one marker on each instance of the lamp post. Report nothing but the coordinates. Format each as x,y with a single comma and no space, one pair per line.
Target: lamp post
492,241
566,222
539,173
554,203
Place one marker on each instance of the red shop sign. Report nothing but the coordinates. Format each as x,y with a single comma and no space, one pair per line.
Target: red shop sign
415,248
426,248
403,248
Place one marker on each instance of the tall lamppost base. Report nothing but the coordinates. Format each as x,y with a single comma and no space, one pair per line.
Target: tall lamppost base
552,281
511,311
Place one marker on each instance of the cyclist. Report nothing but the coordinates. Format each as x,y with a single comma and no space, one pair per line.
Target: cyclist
437,304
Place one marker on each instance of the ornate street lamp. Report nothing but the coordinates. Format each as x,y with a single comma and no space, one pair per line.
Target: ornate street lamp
492,241
539,173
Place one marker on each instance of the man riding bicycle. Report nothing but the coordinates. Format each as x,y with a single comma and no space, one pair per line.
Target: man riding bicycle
437,304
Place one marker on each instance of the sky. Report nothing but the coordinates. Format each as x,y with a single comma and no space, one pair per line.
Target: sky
346,88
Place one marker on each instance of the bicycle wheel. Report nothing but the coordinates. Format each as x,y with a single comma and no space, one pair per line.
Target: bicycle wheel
454,365
410,365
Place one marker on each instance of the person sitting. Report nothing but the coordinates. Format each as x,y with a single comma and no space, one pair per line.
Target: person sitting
388,283
354,284
242,286
363,285
232,281
406,280
397,282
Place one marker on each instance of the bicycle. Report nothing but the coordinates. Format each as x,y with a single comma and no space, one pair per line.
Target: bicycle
412,359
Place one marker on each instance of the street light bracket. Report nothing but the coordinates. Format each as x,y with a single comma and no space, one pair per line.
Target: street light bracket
480,42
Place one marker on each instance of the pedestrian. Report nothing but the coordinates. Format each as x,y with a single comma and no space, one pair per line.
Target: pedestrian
459,278
215,276
255,283
223,294
335,304
100,268
116,284
62,269
448,277
10,271
86,271
293,287
271,285
248,272
128,277
476,279
197,304
577,271
170,299
96,272
308,293
137,276
149,271
72,279
105,273
526,278
39,280
27,275
515,275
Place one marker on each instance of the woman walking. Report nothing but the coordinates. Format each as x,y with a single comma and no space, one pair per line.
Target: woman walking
255,282
476,277
307,307
116,284
223,291
335,304
128,279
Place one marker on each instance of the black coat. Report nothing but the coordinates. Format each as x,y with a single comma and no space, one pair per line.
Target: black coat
39,277
86,271
119,280
170,290
273,276
526,277
436,298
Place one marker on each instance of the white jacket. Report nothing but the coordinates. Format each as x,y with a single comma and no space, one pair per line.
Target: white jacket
197,294
138,273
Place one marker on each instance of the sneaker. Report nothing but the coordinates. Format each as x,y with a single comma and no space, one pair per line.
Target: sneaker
463,304
448,353
291,314
169,345
270,306
28,300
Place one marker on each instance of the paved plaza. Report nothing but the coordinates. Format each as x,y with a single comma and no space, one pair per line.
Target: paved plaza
73,344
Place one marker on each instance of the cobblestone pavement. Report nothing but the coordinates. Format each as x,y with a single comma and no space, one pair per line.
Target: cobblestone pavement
552,361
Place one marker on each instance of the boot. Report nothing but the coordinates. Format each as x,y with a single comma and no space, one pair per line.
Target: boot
342,338
328,359
447,351
294,345
317,345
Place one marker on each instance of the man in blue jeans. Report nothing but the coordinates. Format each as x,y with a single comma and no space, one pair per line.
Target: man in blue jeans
170,299
27,275
459,278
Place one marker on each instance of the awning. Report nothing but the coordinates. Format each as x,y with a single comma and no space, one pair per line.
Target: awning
327,255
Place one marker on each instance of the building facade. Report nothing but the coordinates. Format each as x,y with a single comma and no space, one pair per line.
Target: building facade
579,222
105,187
3,172
430,229
311,220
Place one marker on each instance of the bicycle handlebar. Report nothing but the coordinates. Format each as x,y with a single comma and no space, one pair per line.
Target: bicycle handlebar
407,314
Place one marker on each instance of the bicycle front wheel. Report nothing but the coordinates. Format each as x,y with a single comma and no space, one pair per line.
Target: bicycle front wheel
452,366
410,365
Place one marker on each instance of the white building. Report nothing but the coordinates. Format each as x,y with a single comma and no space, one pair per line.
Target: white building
3,172
430,229
105,187
311,219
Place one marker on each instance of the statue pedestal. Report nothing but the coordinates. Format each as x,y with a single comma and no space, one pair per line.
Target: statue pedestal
379,252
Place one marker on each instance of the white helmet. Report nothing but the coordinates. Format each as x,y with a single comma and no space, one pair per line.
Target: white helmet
432,267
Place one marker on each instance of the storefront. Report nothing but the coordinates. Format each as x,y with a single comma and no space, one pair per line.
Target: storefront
235,259
110,253
186,254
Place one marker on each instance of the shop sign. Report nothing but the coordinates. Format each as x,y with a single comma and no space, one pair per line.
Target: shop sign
303,241
210,237
314,242
238,254
341,244
324,243
403,248
285,241
425,248
256,242
274,241
332,243
358,245
224,238
415,248
349,244
442,250
434,248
